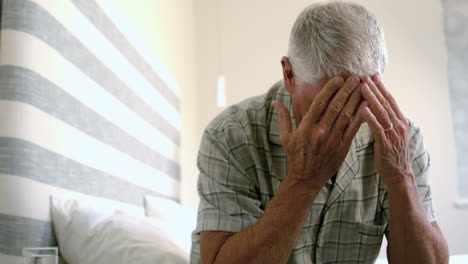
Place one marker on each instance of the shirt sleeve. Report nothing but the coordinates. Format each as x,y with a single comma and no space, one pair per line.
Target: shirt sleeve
420,165
229,200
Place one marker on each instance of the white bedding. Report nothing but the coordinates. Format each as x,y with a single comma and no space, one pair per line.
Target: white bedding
88,234
455,259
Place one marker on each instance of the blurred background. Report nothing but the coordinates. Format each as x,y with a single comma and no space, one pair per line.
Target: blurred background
214,53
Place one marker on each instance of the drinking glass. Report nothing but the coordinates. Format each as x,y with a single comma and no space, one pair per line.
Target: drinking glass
40,255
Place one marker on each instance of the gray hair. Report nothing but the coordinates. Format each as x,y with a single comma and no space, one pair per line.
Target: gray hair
330,38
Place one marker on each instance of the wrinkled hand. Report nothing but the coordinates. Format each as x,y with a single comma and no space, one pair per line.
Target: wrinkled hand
318,146
391,147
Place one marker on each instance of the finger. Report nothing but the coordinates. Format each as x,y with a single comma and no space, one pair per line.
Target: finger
354,123
338,102
385,103
374,124
380,85
322,99
377,109
347,113
284,122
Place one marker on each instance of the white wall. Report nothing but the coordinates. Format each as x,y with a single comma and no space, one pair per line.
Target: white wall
245,40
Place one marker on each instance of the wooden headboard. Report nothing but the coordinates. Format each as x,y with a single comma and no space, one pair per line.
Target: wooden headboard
86,110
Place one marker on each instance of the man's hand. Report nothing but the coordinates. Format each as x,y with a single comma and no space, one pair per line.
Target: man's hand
412,239
390,129
320,143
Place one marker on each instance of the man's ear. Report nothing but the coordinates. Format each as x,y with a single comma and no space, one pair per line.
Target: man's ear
288,74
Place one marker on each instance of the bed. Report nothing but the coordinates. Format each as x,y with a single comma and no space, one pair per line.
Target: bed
86,112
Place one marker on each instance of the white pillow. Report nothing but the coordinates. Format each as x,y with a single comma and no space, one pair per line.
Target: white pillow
88,235
168,210
173,213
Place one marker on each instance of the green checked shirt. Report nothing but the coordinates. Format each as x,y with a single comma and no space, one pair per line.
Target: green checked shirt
242,164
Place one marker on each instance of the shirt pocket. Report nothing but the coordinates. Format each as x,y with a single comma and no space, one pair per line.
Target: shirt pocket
370,241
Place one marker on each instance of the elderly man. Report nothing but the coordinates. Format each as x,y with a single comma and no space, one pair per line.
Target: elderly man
324,164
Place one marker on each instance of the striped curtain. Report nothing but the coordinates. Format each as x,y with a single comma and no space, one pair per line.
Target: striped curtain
456,37
85,109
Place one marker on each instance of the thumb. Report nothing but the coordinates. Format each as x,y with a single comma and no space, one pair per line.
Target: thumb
284,122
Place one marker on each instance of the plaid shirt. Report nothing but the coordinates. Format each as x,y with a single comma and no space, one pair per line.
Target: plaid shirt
242,164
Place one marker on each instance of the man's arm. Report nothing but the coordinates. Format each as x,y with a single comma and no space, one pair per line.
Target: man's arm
271,239
330,124
412,239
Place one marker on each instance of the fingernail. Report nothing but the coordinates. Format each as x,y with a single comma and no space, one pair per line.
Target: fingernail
354,80
376,77
338,81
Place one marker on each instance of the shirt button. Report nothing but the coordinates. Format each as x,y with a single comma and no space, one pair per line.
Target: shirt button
321,242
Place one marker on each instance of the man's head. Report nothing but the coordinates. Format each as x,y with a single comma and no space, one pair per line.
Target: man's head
329,39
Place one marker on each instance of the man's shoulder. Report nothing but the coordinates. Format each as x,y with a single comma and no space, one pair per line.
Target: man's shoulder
251,111
239,114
